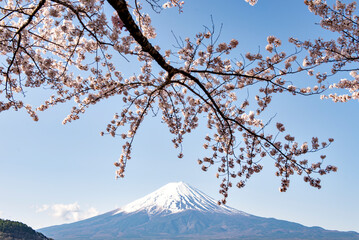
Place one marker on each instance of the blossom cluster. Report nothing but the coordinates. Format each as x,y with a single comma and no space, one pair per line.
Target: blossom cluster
340,54
252,2
174,3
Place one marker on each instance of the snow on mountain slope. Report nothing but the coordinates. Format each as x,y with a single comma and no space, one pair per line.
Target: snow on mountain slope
174,198
178,211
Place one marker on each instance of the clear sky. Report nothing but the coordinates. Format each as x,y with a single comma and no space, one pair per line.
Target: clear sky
52,173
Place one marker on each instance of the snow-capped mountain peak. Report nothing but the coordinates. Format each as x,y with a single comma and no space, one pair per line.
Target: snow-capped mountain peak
173,198
178,211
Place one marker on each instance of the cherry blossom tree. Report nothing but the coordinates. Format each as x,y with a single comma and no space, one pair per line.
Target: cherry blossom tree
68,47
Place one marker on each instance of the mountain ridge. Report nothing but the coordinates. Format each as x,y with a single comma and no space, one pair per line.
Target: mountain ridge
179,211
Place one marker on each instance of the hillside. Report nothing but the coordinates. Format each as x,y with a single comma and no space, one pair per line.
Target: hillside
11,230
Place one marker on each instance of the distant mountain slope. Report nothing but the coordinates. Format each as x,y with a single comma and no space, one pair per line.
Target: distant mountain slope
178,211
11,230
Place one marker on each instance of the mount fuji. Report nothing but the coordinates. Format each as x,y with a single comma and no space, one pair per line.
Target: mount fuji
179,211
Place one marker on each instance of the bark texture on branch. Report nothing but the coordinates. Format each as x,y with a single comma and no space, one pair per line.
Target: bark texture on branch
122,10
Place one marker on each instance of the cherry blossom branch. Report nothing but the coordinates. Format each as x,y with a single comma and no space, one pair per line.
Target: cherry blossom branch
121,8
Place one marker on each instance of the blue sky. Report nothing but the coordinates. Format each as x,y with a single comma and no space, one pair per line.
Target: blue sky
53,173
